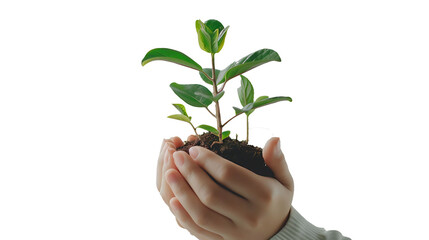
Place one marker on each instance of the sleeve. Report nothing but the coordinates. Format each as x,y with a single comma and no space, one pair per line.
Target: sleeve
297,228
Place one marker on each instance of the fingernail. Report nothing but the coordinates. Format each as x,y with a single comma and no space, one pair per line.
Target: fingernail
193,151
178,159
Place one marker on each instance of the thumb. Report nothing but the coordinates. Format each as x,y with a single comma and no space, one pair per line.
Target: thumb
275,160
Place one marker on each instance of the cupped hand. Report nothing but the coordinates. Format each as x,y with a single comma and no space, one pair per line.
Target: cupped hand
246,206
165,162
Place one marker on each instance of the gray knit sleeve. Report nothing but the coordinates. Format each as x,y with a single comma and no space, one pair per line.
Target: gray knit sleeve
297,228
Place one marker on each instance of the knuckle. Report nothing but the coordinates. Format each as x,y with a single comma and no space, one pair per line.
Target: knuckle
204,155
202,219
253,221
225,173
197,232
190,174
266,197
209,197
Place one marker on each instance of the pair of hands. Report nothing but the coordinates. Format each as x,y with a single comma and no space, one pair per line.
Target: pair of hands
247,206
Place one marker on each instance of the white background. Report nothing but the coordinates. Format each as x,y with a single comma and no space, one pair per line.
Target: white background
81,122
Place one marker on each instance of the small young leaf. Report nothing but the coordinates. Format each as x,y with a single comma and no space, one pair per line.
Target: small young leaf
225,134
249,112
218,96
180,117
211,35
214,36
247,63
246,108
260,102
213,24
257,100
193,94
170,55
181,109
209,128
245,91
237,110
221,38
218,34
208,71
204,36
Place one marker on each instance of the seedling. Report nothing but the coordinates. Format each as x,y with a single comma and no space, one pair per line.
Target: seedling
211,38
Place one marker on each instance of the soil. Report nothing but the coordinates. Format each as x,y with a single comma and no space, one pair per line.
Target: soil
238,152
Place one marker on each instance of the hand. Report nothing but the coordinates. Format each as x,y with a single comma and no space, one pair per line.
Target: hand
249,206
165,162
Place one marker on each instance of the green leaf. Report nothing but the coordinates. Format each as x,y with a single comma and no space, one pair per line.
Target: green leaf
247,63
170,55
246,108
260,102
214,36
245,91
225,134
218,34
181,109
214,24
208,71
209,128
218,96
193,94
267,101
211,35
261,98
213,130
257,100
237,110
221,38
180,117
204,36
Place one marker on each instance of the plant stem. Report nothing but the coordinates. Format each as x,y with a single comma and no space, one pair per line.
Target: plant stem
215,92
223,86
231,119
195,130
205,74
210,112
247,124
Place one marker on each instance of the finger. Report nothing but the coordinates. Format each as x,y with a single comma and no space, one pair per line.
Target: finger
236,178
209,192
202,216
176,141
177,221
165,191
185,221
192,138
160,165
275,160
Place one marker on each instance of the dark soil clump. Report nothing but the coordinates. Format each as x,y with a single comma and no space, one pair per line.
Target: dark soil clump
238,152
